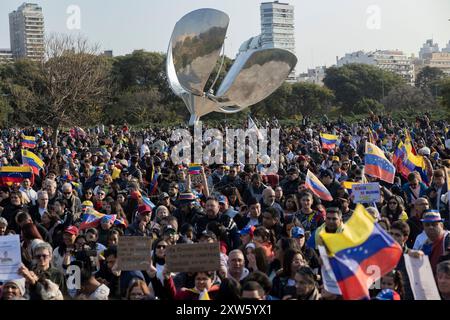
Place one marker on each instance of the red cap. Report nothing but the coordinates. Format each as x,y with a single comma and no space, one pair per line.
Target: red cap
72,230
143,208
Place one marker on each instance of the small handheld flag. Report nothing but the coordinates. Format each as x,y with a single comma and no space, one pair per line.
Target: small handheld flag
314,184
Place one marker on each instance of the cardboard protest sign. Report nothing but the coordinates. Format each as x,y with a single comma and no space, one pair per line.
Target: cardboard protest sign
193,257
10,257
133,253
366,192
421,278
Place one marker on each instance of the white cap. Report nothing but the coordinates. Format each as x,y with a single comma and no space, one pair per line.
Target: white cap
425,151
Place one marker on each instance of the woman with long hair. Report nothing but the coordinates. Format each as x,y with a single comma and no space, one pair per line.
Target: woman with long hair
311,219
291,206
394,209
284,281
235,199
29,234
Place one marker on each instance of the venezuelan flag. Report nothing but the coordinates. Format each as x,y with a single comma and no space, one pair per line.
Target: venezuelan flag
29,142
328,140
314,184
10,175
154,183
415,163
92,218
377,165
360,254
195,168
32,160
349,185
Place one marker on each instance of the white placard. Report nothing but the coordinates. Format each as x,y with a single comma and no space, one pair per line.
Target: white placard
329,280
366,192
421,278
10,257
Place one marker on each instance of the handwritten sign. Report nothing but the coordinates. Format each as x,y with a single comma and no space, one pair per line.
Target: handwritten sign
366,192
421,278
133,253
193,257
10,258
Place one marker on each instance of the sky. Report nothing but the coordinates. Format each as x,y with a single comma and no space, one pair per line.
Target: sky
324,28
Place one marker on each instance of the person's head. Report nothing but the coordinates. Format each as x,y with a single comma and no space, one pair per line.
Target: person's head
298,234
22,218
137,290
26,183
254,208
261,235
413,180
106,222
443,278
270,217
236,261
306,200
88,194
291,203
69,235
42,197
223,203
292,261
67,190
327,177
113,237
13,289
58,206
421,205
333,219
42,255
305,281
173,189
392,280
162,212
3,226
433,224
110,255
278,193
293,174
212,207
145,213
160,248
230,290
282,245
252,290
50,186
246,234
439,178
80,243
256,180
400,232
268,196
394,204
92,235
16,198
164,199
204,280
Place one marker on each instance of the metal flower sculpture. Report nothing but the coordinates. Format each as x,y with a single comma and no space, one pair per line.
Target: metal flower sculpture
195,48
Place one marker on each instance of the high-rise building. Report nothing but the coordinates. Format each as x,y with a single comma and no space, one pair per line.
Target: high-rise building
26,27
277,28
447,48
5,56
389,60
428,48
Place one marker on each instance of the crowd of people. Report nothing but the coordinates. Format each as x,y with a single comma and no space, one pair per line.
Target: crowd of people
263,223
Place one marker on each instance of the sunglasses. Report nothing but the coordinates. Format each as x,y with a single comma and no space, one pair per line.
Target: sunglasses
67,192
39,256
161,247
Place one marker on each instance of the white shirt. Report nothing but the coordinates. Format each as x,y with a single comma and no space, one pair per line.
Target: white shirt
31,194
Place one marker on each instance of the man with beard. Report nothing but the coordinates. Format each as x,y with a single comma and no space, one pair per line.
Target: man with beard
73,203
268,201
333,224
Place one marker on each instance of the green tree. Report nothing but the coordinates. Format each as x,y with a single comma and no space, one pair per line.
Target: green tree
366,105
353,82
409,98
309,99
445,94
428,77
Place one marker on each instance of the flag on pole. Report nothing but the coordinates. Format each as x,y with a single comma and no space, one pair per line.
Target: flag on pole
328,140
313,183
195,168
361,254
376,164
32,160
10,175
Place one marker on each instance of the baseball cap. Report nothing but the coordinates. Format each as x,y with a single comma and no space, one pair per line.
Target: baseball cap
72,230
222,199
431,216
163,196
297,232
388,294
169,229
247,230
144,208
